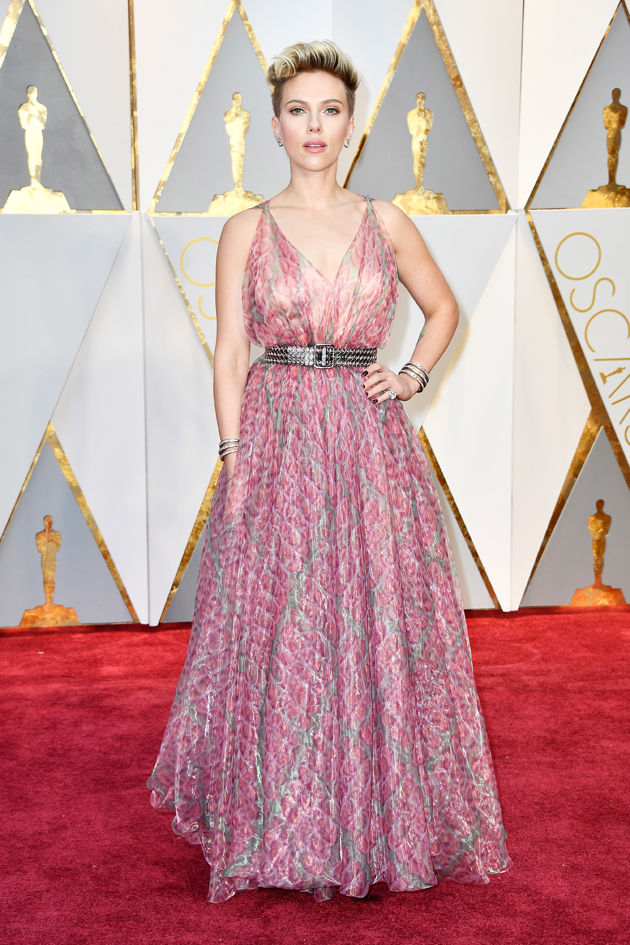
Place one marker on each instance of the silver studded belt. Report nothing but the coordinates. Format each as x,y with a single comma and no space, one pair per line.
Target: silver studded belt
319,356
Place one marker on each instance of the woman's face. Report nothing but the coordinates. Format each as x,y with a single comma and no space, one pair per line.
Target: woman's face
314,121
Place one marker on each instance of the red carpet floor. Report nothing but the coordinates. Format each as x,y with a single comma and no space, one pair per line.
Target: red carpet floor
87,860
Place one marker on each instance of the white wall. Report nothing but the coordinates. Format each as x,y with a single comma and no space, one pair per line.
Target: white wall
97,337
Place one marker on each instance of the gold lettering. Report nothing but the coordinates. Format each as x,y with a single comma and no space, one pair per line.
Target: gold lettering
201,239
213,317
603,279
605,377
601,312
599,257
613,392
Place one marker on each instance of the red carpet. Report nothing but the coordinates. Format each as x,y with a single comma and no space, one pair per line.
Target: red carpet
86,859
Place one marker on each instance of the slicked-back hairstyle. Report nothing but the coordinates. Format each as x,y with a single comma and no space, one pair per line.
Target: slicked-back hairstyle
318,56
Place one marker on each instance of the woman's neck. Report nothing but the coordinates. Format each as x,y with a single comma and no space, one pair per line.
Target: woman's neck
314,190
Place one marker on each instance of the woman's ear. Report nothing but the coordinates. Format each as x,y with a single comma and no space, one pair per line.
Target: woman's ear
275,126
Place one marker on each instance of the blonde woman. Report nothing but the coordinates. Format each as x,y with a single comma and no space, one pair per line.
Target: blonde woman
326,732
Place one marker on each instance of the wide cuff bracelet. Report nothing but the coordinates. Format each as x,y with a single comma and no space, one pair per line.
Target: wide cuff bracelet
418,372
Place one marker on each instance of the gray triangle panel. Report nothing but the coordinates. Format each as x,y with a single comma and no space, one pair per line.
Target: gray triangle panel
580,160
202,167
183,603
567,563
83,580
70,161
453,164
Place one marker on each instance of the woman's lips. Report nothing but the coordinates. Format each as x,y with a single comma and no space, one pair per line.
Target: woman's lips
315,146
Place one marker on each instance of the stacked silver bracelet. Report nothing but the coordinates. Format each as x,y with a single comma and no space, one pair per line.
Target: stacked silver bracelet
419,374
229,445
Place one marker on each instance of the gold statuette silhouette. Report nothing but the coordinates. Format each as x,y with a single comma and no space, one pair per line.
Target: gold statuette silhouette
35,198
611,194
420,200
49,614
237,125
598,594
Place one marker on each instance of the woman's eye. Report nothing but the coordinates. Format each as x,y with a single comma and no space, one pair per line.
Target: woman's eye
297,110
331,110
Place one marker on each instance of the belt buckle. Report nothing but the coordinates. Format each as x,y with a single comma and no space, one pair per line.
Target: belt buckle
323,356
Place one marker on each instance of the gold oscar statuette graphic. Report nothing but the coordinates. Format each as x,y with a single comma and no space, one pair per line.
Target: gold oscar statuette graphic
598,594
611,194
49,614
237,125
35,198
419,200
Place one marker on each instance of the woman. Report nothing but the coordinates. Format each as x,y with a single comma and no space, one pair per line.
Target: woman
326,732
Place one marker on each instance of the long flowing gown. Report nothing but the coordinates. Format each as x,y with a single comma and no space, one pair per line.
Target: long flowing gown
326,732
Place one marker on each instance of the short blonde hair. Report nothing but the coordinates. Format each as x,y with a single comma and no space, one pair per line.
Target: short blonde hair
318,56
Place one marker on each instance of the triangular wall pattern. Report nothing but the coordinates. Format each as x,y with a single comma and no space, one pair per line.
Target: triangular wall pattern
200,165
52,272
100,418
466,248
551,408
83,580
454,165
71,163
475,594
475,457
182,437
190,243
587,253
567,563
578,162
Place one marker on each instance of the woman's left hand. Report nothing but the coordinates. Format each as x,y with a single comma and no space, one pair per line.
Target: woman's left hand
378,380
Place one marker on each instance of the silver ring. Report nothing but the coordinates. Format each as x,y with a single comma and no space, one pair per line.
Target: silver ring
392,394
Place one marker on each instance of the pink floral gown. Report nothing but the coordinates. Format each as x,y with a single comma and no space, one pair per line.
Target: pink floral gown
326,731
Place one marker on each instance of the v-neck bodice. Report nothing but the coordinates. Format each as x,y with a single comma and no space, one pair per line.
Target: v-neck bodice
286,300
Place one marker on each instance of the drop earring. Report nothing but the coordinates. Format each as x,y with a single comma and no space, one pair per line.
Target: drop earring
347,144
280,144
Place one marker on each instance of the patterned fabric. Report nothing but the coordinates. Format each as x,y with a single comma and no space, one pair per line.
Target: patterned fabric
326,731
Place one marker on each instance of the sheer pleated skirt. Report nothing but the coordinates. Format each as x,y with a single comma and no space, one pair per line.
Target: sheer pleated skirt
326,731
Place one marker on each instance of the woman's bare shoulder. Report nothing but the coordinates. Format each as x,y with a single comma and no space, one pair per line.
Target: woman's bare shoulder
241,227
398,224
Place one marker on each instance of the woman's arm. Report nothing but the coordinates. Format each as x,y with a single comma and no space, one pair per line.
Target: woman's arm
427,286
231,353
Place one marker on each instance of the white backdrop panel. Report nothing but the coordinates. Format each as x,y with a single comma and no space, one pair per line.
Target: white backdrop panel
100,419
559,42
469,424
485,39
588,252
182,438
52,272
474,592
466,248
92,42
191,246
550,409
